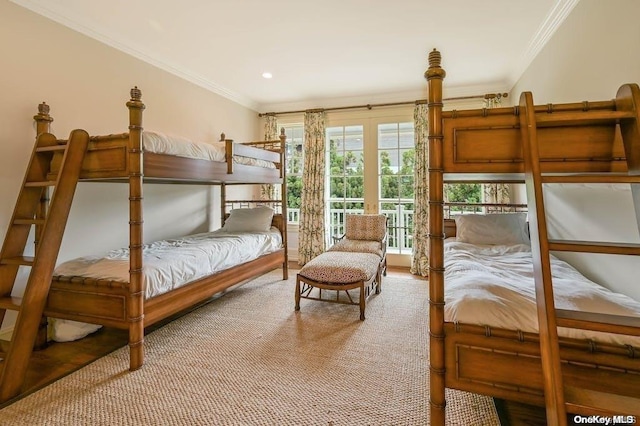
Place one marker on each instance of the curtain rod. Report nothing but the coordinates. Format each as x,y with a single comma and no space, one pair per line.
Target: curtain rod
371,106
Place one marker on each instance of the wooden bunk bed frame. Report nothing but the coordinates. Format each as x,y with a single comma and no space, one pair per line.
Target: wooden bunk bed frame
121,157
485,145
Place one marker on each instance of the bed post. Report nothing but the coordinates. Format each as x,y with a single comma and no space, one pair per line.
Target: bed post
283,200
434,75
43,125
135,306
223,202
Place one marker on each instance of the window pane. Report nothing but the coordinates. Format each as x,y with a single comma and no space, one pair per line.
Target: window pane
406,187
354,187
407,157
388,161
388,136
406,135
336,187
294,191
389,187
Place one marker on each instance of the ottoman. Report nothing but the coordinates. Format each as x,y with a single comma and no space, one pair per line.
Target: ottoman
340,271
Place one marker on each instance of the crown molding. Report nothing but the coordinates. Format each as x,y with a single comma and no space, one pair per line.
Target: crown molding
552,22
72,21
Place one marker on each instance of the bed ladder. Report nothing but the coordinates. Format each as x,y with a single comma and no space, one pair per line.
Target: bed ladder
621,119
49,223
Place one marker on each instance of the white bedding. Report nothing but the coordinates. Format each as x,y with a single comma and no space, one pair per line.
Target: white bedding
493,285
172,263
167,265
160,143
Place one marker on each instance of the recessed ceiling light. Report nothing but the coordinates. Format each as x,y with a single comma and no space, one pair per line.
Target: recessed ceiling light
267,75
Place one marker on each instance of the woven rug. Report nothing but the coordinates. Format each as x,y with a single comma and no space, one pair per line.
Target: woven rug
248,358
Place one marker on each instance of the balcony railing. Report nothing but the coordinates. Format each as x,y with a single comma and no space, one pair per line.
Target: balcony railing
400,226
400,220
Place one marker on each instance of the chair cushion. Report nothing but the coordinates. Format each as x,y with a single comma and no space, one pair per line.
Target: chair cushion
359,246
365,226
340,267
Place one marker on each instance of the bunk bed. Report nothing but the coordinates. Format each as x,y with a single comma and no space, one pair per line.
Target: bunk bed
123,299
503,359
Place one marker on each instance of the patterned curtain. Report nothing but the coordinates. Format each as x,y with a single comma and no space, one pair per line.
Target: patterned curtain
311,228
420,254
495,193
270,191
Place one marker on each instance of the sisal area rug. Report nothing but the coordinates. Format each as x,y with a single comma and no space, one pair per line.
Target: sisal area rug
248,358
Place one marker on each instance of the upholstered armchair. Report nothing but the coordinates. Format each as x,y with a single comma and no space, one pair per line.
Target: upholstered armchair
364,233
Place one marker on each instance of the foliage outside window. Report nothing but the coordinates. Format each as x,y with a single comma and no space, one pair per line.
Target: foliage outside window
396,162
295,162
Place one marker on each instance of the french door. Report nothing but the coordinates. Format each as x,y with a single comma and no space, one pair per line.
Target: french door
369,169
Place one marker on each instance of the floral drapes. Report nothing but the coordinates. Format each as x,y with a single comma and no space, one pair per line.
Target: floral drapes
269,191
311,228
420,254
495,193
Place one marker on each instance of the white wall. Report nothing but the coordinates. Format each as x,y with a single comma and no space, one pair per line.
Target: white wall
589,57
87,84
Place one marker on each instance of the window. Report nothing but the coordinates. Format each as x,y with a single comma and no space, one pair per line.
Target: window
295,163
345,175
370,170
396,157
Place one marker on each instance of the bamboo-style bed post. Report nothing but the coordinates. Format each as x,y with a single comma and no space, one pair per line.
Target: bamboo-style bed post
43,125
283,200
223,202
434,75
136,290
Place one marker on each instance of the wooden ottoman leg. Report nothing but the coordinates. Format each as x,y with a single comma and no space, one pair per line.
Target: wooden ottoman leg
362,300
297,292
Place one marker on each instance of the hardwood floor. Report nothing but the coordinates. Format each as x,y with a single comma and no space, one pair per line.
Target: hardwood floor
61,359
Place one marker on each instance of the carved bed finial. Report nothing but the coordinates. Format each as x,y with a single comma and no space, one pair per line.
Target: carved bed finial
136,94
434,66
434,58
43,108
222,137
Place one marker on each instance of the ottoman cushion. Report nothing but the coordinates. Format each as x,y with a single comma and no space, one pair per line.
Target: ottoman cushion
341,267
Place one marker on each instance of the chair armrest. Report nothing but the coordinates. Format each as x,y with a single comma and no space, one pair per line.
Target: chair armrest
383,244
337,238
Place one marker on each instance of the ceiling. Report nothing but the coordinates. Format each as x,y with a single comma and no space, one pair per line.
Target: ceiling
321,53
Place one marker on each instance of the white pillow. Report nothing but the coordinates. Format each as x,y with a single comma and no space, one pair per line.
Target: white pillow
249,220
499,228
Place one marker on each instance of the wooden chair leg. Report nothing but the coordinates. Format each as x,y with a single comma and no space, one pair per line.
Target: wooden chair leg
362,300
297,293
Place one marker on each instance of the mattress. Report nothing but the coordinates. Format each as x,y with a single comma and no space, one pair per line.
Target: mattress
160,143
172,263
167,265
493,285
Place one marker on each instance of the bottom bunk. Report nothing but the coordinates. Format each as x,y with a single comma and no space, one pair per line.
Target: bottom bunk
177,274
491,341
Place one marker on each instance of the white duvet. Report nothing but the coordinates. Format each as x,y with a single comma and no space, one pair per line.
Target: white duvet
493,285
172,263
160,143
167,265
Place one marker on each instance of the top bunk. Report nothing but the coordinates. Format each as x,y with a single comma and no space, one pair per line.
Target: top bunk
486,144
162,158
